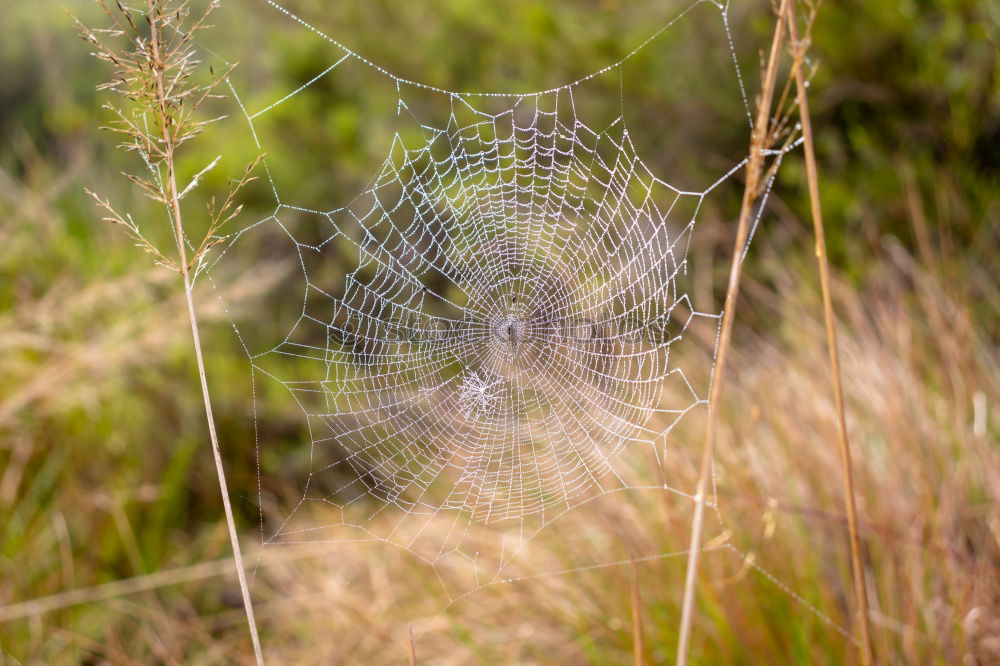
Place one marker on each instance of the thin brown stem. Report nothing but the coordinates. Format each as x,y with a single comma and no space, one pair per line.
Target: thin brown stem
412,648
755,162
812,178
169,144
638,647
113,590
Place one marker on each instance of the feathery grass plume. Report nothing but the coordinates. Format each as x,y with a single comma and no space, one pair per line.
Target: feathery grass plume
158,110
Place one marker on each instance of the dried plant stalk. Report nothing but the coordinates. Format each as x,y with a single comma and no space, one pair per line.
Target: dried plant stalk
762,134
153,73
635,601
812,179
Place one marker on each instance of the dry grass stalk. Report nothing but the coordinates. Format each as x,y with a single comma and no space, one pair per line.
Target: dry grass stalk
760,139
638,648
812,179
154,74
412,647
114,589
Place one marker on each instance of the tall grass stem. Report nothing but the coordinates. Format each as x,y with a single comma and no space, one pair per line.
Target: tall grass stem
750,193
815,209
175,208
635,601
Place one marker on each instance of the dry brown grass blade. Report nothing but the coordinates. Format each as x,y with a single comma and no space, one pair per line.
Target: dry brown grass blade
117,588
750,193
812,179
638,648
136,584
412,646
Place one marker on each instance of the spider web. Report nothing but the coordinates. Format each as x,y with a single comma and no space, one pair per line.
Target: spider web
484,340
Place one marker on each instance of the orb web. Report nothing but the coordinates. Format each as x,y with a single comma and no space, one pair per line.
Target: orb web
491,340
485,335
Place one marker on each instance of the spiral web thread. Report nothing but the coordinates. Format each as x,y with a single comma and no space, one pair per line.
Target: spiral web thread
504,337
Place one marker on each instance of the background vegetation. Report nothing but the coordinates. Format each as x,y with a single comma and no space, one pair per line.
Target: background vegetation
104,468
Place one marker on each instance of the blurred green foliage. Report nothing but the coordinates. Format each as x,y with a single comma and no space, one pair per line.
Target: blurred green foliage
908,89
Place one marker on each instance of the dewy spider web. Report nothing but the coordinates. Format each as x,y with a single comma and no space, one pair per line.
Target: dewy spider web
498,350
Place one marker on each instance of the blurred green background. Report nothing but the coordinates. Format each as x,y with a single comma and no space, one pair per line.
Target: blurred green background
104,468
